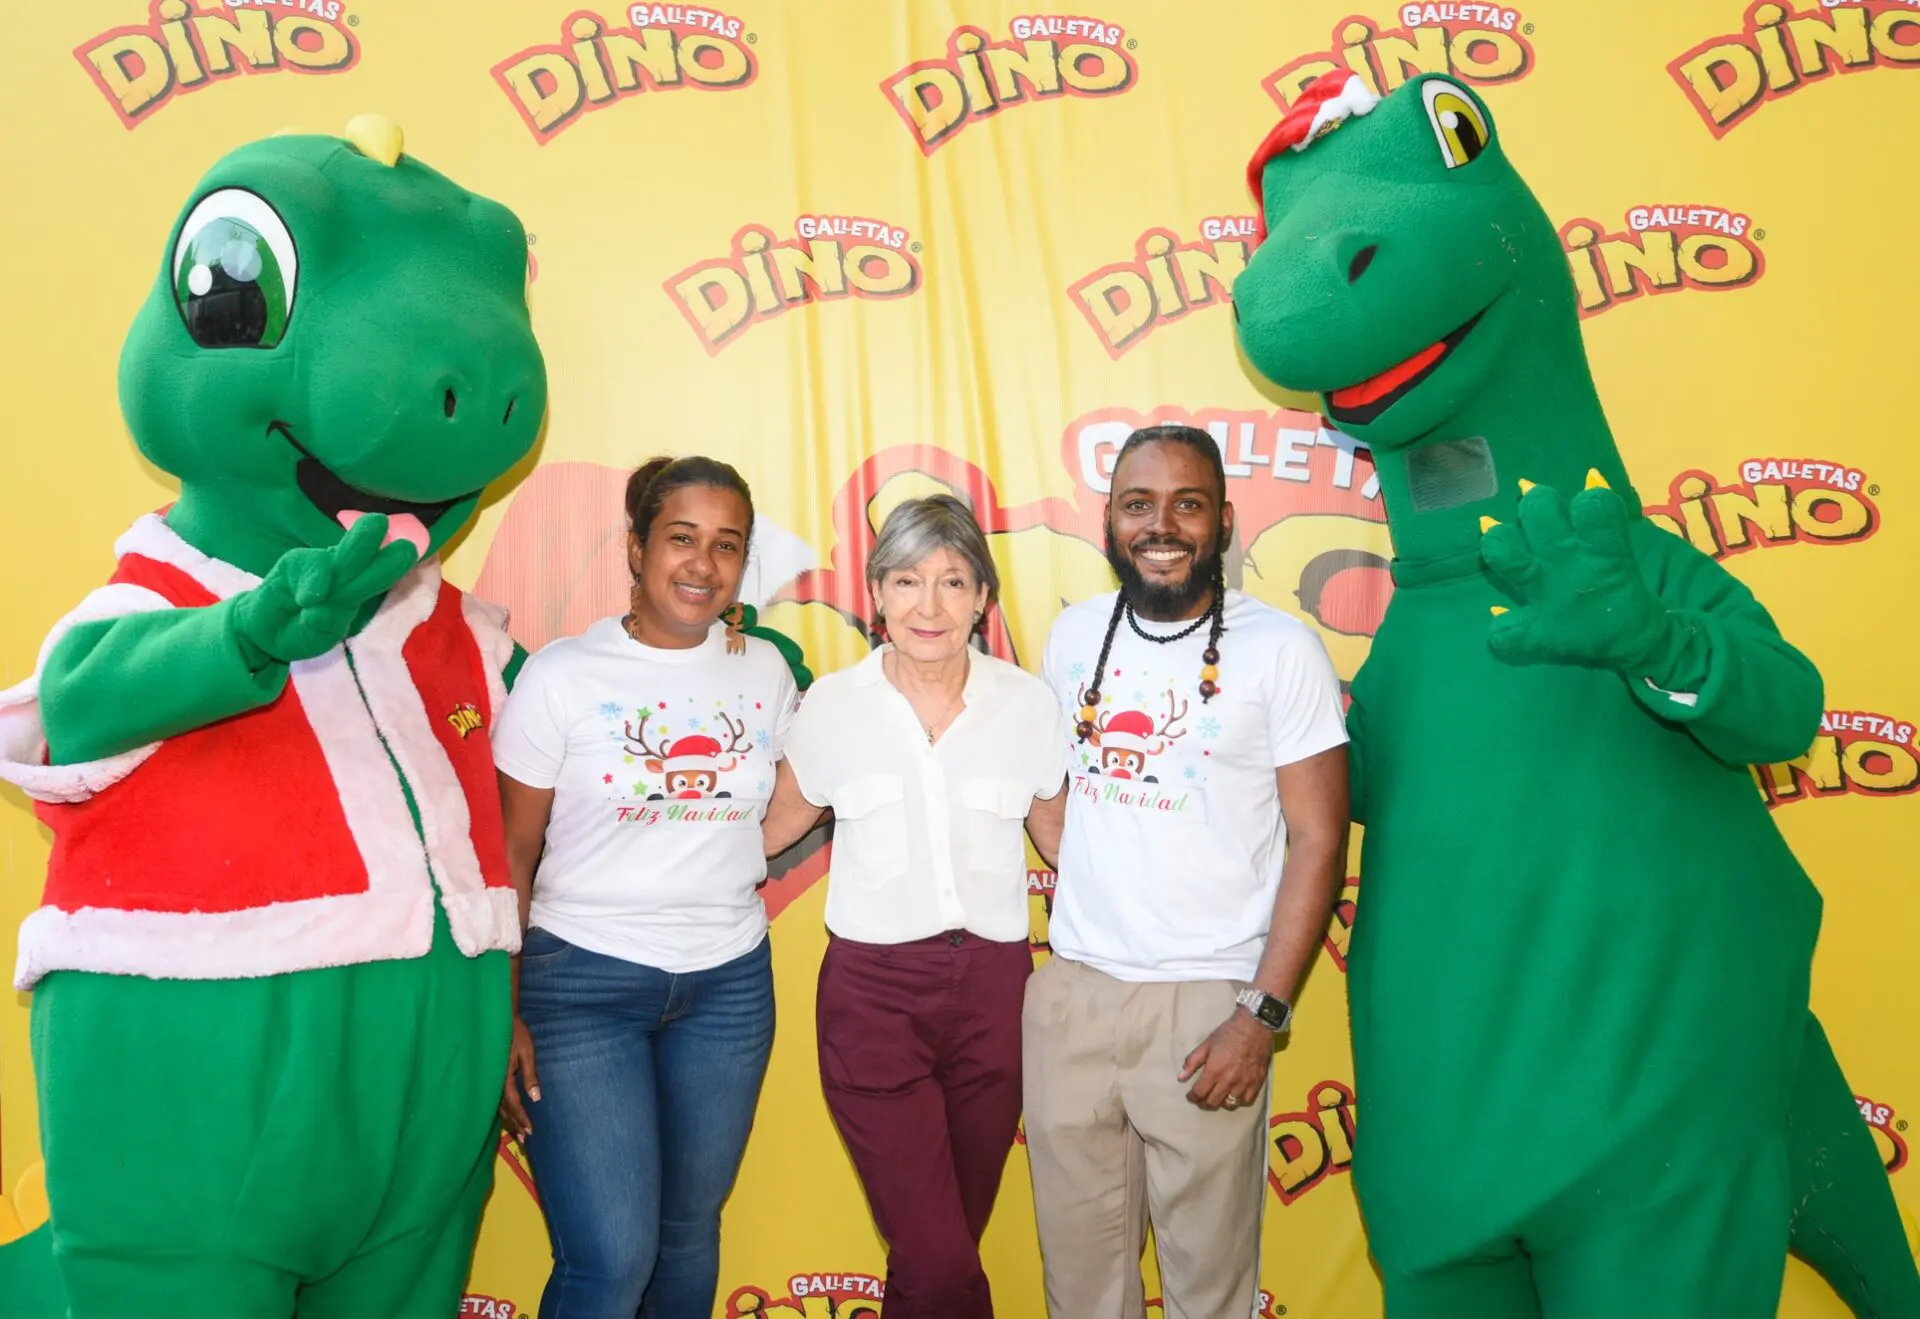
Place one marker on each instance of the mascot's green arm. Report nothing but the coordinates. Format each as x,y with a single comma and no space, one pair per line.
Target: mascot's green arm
110,685
1755,698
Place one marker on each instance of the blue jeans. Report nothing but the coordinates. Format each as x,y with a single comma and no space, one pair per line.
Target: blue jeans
648,1084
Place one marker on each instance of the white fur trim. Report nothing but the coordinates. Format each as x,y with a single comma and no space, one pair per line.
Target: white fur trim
437,793
1353,99
695,763
23,738
261,941
488,623
1124,742
152,538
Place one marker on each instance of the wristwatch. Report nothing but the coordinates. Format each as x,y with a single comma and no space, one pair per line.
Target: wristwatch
1273,1013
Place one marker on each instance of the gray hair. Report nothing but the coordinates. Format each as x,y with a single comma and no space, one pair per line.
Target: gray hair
917,528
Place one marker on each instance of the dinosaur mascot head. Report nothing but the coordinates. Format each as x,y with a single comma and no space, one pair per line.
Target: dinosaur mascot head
1407,275
336,330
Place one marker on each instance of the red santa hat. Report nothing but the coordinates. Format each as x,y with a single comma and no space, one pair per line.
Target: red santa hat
1321,107
696,753
1129,730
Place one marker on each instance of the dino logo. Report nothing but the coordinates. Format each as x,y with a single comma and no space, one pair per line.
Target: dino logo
1777,501
1045,58
596,64
1167,278
465,718
1887,1132
830,257
812,1296
1856,751
1479,44
1662,249
184,47
1780,49
1312,1145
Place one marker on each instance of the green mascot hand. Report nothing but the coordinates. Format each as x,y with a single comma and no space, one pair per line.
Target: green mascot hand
1583,598
308,601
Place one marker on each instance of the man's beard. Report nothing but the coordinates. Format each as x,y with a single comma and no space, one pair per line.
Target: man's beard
1152,600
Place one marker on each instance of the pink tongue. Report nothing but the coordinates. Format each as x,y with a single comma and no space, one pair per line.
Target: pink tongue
400,526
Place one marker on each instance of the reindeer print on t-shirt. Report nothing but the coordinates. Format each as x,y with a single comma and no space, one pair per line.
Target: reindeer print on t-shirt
688,760
692,765
1128,739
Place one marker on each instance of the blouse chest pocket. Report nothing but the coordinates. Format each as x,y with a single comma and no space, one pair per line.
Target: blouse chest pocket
870,822
996,822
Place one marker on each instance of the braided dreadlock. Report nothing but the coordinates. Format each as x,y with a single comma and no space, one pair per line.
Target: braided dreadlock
1199,442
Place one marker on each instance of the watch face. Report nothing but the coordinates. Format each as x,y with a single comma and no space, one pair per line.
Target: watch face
1272,1013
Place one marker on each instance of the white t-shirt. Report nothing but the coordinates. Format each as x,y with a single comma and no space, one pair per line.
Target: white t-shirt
662,763
1174,837
928,839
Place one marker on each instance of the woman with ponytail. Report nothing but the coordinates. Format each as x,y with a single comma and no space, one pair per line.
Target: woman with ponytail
636,761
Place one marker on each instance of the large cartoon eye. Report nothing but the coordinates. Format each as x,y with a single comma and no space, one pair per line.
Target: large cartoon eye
1456,121
233,272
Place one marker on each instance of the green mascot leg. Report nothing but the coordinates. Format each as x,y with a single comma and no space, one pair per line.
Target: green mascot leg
317,1144
1704,1239
1845,1221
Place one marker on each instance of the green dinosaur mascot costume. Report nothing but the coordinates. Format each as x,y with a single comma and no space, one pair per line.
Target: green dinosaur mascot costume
1589,1080
271,1011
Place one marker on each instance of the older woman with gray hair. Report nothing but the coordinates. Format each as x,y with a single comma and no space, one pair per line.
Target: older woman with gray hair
933,756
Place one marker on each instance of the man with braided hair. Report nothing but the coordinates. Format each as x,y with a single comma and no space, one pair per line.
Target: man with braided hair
1192,893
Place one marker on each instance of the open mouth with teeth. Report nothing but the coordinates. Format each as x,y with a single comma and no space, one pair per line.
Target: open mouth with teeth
1366,401
407,519
1164,556
694,595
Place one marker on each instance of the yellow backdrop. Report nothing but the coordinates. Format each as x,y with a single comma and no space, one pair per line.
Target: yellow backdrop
868,250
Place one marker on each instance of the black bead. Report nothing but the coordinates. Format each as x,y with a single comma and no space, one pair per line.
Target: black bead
1210,655
1207,689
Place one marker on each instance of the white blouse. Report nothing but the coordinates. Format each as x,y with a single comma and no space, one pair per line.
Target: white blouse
928,839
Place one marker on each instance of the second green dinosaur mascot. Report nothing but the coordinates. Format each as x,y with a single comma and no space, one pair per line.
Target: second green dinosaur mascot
1588,1080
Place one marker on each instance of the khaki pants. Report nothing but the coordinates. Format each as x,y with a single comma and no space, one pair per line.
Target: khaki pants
1113,1140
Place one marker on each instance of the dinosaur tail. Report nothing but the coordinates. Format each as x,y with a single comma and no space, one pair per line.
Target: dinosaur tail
29,1285
1846,1223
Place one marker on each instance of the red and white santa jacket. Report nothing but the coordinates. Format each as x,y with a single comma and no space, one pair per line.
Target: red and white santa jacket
279,839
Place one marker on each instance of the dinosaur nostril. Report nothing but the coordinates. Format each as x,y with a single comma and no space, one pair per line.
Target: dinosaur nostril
1361,260
449,403
509,412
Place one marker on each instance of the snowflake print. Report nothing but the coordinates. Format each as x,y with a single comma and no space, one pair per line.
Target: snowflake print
1192,773
763,740
609,709
1208,727
1077,672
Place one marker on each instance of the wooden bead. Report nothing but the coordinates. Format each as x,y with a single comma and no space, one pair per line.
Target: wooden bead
1085,730
1088,713
1209,673
1207,689
1211,656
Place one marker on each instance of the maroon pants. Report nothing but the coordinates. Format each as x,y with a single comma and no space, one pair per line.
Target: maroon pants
920,1060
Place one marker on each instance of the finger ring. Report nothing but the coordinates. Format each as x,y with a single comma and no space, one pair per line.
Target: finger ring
1232,1102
